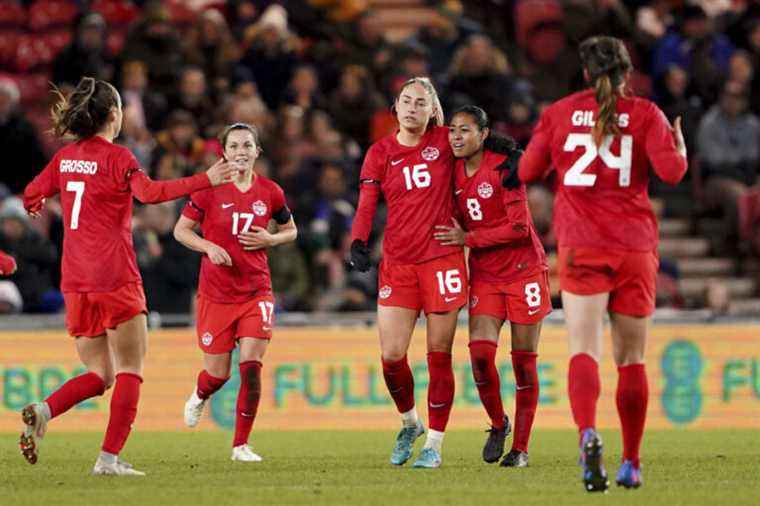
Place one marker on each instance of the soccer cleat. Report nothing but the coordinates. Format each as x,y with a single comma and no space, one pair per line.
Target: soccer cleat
428,459
35,426
515,458
594,475
118,468
402,451
628,476
194,409
243,453
494,447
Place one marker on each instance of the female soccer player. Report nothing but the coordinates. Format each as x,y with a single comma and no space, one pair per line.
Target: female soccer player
602,143
413,169
235,301
508,278
102,288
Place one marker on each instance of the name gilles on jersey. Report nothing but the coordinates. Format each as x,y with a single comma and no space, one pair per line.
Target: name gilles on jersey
78,167
586,118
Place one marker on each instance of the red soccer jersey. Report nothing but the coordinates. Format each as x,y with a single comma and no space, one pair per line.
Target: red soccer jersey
416,183
223,213
96,180
503,244
602,199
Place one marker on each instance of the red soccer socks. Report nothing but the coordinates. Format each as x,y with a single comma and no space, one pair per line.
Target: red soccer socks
440,389
400,383
126,395
631,399
208,385
74,391
483,360
526,396
583,389
247,401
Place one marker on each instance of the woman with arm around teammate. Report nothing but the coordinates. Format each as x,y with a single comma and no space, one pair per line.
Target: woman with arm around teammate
235,301
603,143
508,277
101,285
413,169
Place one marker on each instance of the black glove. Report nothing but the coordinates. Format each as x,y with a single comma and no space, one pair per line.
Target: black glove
509,177
359,256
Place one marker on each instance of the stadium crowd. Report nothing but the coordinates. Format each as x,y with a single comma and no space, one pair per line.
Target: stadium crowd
317,78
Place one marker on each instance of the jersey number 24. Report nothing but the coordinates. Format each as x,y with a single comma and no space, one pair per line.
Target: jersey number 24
576,177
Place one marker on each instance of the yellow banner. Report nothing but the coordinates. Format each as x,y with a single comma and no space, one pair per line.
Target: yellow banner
316,378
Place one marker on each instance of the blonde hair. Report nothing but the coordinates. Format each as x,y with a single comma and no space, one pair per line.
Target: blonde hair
427,84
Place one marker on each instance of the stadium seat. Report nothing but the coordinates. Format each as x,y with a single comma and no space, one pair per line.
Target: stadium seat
8,43
32,52
45,14
117,13
530,14
34,87
12,14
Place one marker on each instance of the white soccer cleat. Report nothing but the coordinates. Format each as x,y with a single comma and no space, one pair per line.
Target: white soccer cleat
35,426
243,453
118,468
194,409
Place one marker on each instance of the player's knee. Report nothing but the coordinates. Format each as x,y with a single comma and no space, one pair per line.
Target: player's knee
108,380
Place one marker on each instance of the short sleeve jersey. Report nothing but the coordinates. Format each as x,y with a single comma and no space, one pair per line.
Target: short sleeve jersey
92,176
416,183
484,205
602,199
224,212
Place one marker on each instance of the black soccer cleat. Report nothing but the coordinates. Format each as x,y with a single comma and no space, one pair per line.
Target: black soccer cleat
494,447
515,458
594,475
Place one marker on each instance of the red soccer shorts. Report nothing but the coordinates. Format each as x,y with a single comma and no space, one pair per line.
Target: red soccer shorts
526,301
89,314
628,276
219,326
436,286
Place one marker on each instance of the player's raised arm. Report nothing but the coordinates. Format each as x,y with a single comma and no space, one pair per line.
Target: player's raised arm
149,191
666,148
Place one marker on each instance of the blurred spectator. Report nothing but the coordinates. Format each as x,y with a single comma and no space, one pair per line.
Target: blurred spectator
270,57
35,257
148,108
354,102
155,41
169,270
676,100
192,96
303,89
441,37
743,70
211,47
696,47
727,147
586,18
368,46
181,142
290,277
19,142
87,55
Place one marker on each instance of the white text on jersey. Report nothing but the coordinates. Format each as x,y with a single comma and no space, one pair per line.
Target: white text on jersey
586,118
78,167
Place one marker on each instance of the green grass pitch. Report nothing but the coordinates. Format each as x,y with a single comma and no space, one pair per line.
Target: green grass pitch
333,468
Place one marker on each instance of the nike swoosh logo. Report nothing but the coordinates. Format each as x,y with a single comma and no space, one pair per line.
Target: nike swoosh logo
435,406
534,311
396,162
246,415
458,192
517,387
449,299
225,206
396,391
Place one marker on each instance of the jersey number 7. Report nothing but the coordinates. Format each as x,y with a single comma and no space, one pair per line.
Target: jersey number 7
576,177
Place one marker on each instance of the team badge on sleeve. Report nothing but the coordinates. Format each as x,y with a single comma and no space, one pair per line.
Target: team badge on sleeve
207,339
384,292
485,190
430,153
259,208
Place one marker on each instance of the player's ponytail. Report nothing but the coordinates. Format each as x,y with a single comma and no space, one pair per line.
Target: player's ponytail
427,84
606,63
86,110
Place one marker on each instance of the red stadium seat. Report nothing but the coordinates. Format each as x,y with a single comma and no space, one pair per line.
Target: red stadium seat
116,40
116,12
529,14
8,42
33,87
44,14
32,52
56,40
180,13
12,14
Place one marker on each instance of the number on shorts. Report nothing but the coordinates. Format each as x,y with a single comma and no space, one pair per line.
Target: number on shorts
533,294
237,217
78,188
576,177
267,311
473,206
449,281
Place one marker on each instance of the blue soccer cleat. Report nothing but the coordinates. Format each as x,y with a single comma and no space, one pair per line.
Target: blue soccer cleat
428,459
402,451
594,475
628,475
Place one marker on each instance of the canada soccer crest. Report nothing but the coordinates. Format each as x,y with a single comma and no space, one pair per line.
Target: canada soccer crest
384,292
259,208
430,153
206,339
474,301
485,190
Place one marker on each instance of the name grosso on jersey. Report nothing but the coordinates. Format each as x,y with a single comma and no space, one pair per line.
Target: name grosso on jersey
78,166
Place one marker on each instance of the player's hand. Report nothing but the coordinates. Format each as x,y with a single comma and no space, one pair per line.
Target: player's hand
220,173
7,264
217,255
450,236
256,238
509,177
678,136
359,256
34,207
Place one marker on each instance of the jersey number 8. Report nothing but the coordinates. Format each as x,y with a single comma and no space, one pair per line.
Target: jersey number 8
576,177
